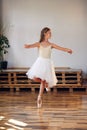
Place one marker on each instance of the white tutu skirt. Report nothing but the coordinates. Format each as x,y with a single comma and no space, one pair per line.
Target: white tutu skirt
43,68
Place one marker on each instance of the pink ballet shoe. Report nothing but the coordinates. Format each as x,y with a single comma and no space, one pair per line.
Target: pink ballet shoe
39,102
47,89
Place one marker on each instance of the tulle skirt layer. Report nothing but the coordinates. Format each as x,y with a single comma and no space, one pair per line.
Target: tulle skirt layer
43,68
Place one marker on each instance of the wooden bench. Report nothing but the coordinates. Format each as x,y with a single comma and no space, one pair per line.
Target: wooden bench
16,78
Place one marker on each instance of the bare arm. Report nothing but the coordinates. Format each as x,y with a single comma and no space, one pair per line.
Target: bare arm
61,48
32,45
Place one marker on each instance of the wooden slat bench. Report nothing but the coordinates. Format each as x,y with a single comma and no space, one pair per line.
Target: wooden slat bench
16,78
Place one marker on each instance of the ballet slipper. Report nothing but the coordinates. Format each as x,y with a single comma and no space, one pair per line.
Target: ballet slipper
47,89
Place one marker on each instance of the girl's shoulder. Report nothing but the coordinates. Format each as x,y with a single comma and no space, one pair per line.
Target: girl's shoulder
51,44
38,44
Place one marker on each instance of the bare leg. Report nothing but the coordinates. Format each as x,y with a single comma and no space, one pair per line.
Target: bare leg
39,100
37,79
42,86
46,85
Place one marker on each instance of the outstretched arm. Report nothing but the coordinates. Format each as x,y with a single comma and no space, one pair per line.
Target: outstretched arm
61,48
31,45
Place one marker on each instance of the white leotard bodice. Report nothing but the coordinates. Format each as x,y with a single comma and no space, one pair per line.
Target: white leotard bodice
45,52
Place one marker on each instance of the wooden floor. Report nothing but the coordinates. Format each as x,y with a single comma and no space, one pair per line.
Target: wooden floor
60,111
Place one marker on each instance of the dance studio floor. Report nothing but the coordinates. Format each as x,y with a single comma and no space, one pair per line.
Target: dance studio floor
60,111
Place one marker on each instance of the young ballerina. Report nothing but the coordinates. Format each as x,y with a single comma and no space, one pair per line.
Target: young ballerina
43,70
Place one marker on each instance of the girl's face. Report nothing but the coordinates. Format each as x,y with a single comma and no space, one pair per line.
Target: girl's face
48,34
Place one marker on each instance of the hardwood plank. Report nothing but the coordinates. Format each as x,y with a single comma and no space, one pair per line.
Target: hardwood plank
60,111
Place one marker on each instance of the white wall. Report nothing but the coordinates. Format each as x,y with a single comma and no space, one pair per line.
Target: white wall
67,20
